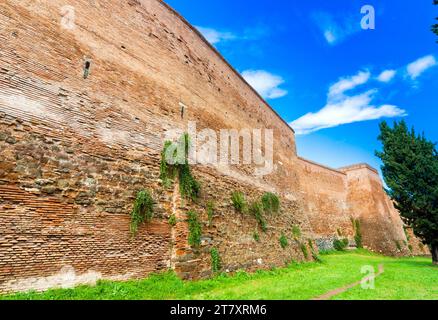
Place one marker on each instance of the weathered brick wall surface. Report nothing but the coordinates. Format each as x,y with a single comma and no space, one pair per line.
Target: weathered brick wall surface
382,228
75,151
324,193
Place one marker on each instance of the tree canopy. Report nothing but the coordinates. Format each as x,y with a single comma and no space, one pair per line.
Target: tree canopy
435,26
410,170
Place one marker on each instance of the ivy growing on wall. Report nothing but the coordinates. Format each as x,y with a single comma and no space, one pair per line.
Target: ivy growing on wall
195,229
304,250
167,172
174,163
357,233
143,210
215,260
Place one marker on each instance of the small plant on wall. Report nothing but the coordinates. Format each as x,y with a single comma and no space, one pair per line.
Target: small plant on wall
256,236
256,209
215,260
296,232
195,229
239,202
304,250
172,220
283,241
271,202
340,245
143,210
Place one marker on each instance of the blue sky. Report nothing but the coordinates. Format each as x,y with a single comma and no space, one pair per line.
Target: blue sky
325,75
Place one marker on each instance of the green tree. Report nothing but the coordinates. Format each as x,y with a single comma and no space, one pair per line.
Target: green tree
435,26
410,170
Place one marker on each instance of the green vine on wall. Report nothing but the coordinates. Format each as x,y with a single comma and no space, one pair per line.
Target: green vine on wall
304,250
175,162
215,260
195,229
357,233
143,210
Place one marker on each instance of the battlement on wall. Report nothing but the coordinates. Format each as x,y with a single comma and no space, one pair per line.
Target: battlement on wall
358,167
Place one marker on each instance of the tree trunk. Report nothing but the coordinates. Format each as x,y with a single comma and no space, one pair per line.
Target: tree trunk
434,250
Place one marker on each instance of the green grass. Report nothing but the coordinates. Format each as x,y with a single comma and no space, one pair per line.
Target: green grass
404,278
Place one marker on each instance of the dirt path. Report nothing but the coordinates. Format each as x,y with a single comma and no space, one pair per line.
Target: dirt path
328,295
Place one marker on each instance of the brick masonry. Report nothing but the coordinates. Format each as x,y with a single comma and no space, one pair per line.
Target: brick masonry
75,151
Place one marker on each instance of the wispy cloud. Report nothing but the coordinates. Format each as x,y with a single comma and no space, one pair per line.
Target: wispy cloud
387,75
214,36
265,83
416,68
342,108
336,29
348,83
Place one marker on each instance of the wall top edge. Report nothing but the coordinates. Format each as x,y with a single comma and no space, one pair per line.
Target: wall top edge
359,166
199,34
321,165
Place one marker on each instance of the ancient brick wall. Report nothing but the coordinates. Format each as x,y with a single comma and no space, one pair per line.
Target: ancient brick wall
75,151
382,228
324,192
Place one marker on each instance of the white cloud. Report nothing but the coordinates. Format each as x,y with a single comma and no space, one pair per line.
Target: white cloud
330,36
342,109
265,83
214,36
348,83
336,29
416,68
386,75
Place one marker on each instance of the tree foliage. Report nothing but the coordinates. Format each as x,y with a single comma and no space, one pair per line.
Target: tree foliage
410,170
435,26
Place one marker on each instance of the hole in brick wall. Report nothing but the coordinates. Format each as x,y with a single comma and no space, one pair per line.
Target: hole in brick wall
87,67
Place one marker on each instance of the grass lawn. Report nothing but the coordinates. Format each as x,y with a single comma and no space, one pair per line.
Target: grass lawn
404,278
